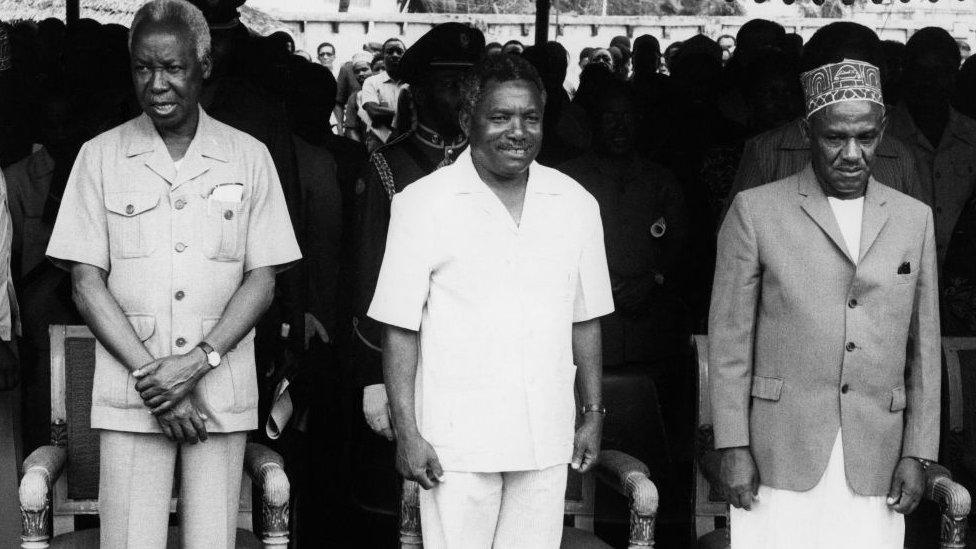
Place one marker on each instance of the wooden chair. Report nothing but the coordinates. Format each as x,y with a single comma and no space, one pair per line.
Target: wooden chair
951,497
958,450
709,505
61,480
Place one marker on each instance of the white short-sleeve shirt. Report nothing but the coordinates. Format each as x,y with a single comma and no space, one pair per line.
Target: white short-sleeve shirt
494,304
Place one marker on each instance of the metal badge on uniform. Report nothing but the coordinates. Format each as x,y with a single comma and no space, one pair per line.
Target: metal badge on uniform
659,227
905,268
227,192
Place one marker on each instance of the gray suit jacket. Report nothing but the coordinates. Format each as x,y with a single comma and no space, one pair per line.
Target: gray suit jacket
803,341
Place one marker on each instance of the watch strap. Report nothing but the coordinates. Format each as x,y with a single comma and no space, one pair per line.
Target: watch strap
210,352
593,408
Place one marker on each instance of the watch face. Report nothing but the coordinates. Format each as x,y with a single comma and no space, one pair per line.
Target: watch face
213,359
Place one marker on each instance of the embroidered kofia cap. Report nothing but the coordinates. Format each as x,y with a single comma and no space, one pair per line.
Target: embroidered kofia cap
848,80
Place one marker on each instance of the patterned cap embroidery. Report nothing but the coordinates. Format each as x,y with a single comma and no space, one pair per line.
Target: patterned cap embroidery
848,80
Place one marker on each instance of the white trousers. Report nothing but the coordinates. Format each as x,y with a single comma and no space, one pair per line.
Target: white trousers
136,484
511,510
830,515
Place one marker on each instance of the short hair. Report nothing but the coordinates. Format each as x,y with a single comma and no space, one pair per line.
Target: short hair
178,12
323,44
499,67
724,36
491,45
515,42
389,40
586,53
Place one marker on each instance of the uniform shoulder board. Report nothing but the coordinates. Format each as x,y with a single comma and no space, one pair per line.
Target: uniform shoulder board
383,167
383,170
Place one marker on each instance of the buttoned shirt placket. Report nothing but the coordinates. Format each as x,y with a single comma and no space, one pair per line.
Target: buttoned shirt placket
519,260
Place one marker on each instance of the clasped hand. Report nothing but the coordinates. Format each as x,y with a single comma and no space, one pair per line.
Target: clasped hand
165,385
166,381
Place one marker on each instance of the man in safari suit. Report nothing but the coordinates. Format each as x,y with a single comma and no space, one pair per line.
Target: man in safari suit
824,339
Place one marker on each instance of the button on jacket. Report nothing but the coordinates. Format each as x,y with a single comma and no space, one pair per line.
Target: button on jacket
494,304
176,246
946,174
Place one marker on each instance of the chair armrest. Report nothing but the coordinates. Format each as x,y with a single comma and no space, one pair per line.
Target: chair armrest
955,502
410,528
266,469
631,478
41,468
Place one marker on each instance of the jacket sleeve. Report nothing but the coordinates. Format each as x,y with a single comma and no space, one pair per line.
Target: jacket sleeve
923,369
731,326
373,219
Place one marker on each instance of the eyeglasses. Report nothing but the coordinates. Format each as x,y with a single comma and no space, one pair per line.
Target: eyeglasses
326,54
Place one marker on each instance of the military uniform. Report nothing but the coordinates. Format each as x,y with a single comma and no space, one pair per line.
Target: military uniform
392,167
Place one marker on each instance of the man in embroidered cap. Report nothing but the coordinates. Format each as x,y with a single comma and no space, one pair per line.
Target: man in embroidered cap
784,151
824,338
434,67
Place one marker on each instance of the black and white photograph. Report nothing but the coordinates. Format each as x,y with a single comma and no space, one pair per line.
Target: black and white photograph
487,274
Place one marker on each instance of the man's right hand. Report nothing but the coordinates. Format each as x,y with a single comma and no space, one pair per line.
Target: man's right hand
416,460
376,409
183,423
739,477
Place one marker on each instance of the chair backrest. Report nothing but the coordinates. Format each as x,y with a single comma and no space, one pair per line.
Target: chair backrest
708,506
72,375
959,433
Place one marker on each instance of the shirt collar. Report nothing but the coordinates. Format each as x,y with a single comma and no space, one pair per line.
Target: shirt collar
142,138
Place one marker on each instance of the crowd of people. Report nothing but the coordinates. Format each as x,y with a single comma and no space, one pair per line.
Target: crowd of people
328,151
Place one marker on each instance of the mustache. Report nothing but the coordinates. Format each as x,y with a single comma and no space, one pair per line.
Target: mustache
520,144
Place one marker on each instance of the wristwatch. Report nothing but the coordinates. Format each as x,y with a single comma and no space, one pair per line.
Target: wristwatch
593,408
213,357
925,463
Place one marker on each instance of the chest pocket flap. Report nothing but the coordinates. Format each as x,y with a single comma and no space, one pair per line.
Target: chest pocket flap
130,203
128,224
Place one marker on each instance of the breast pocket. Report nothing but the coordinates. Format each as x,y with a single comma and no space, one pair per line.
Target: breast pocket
224,226
130,223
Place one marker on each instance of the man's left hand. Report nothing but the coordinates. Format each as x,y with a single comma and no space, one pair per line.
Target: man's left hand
166,381
907,485
586,446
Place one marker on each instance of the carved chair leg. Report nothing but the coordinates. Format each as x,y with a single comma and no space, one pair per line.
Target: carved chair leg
36,527
275,507
410,536
641,530
952,533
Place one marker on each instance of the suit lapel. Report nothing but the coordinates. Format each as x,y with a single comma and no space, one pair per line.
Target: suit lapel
814,203
875,216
